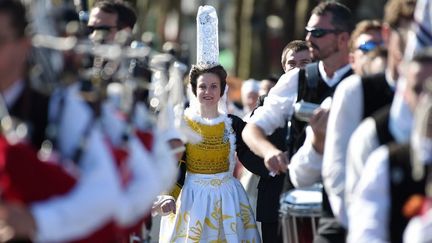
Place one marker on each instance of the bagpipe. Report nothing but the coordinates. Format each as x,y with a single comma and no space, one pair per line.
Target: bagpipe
144,86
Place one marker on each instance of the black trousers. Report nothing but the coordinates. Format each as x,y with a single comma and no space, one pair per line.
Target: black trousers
271,232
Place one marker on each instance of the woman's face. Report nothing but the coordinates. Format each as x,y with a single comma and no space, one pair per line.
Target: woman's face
208,89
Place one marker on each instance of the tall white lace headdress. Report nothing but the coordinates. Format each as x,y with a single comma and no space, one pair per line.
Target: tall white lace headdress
208,49
207,37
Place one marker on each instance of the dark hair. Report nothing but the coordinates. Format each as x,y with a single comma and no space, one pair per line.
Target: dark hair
362,27
62,16
196,71
126,16
17,15
342,18
294,46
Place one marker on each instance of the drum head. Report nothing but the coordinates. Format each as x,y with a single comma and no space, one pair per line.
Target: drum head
302,202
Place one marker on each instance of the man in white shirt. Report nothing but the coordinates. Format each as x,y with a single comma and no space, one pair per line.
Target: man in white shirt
328,30
305,165
321,37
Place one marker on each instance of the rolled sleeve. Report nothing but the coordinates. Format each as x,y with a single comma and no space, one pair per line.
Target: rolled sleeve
306,163
278,105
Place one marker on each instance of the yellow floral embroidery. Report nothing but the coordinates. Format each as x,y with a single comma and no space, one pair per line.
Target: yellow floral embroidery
196,232
217,213
246,217
212,182
216,182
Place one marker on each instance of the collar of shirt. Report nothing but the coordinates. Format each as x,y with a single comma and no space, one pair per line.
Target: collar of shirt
391,82
337,75
12,93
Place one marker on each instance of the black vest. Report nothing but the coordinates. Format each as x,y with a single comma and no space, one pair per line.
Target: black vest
382,119
31,107
402,187
376,93
311,88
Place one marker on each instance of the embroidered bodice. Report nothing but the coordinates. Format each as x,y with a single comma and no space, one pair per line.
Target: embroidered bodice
211,154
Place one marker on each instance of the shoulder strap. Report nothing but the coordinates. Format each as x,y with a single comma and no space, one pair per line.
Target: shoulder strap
308,80
312,75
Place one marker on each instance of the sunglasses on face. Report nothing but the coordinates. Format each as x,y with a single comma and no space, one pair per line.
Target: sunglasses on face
369,46
91,29
319,32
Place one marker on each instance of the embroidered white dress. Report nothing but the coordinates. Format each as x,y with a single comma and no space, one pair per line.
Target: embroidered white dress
212,205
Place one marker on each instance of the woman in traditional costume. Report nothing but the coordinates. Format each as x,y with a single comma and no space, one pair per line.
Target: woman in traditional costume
212,205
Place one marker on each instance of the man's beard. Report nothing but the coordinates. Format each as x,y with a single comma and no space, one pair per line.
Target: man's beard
321,54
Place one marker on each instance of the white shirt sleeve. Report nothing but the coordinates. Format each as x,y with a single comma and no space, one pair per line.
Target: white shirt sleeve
152,173
362,143
423,17
369,211
305,165
93,200
345,115
419,229
89,205
278,105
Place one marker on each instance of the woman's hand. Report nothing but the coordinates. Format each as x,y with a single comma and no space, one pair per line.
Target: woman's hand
164,205
168,206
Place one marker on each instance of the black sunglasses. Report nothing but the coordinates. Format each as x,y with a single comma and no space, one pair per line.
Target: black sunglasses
91,29
318,32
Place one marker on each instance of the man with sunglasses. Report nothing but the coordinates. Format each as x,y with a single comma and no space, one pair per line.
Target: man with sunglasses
328,33
108,18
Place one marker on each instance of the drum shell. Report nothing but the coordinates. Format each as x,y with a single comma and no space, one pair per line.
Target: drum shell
299,220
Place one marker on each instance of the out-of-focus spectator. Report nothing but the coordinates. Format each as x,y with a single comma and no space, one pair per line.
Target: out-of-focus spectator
266,85
249,96
295,55
365,37
375,61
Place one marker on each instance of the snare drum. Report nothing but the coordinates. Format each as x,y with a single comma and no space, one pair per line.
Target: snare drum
299,212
